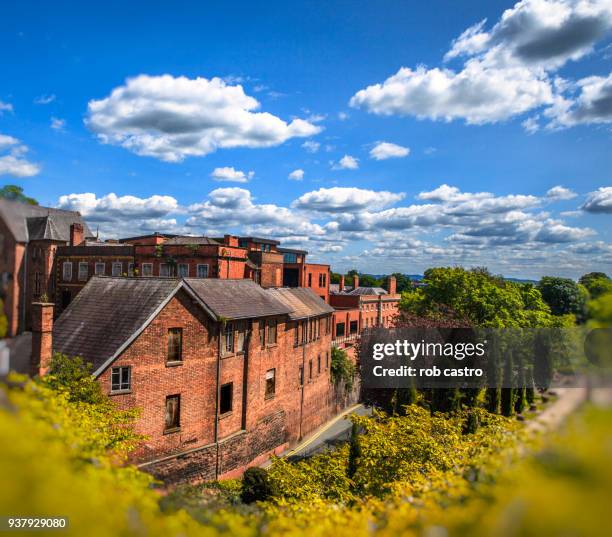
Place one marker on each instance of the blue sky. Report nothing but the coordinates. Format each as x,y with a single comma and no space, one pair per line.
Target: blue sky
145,101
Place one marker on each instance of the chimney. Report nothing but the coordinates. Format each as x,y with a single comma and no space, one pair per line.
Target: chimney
391,285
76,234
42,338
355,281
341,284
230,240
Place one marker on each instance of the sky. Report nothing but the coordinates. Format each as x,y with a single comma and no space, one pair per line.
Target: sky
383,136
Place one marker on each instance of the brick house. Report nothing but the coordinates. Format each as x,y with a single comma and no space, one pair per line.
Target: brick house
29,238
225,372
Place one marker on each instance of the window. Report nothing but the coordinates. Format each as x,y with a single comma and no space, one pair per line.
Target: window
290,258
270,383
175,345
304,331
324,280
130,270
166,270
227,394
183,270
310,279
229,338
319,364
353,327
272,331
309,369
301,377
240,335
117,267
100,269
173,412
320,280
327,360
339,329
37,280
296,338
121,379
67,271
262,333
147,269
202,271
83,271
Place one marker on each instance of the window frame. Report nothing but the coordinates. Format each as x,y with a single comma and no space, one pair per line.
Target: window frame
178,270
171,340
262,333
198,268
97,265
67,274
229,410
175,425
270,387
80,277
114,266
272,326
228,332
120,370
146,266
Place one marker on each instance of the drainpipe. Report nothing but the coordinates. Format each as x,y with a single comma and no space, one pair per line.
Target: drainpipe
303,379
25,285
218,392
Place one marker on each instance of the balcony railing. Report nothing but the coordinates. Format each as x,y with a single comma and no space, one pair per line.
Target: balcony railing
345,339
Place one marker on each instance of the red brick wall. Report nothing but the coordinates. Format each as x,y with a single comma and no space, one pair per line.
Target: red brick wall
312,274
11,269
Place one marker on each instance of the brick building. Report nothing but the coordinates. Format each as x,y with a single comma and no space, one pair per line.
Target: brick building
30,236
357,308
221,383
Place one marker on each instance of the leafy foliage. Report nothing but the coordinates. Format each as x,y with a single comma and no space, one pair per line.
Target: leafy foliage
564,296
342,369
15,193
3,321
256,486
596,283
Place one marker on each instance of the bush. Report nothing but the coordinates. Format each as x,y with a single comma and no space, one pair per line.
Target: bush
342,369
256,486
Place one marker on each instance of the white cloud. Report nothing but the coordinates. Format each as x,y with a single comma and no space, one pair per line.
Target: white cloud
228,173
111,207
343,116
506,71
58,124
44,99
531,125
311,146
599,201
385,150
560,193
171,118
13,163
297,175
340,200
5,107
347,162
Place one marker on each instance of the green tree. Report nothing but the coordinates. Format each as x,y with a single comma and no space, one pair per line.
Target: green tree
342,369
256,486
507,391
596,283
3,321
354,452
564,296
15,193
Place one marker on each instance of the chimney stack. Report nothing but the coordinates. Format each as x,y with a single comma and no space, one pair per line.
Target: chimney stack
392,285
76,234
355,281
341,284
42,337
230,240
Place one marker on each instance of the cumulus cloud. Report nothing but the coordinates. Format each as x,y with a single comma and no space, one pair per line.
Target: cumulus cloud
340,200
228,173
13,162
346,163
311,146
5,107
385,150
297,175
58,124
171,118
557,193
506,71
599,201
44,99
112,207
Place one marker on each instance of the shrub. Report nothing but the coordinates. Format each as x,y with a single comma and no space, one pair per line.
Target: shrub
342,369
256,486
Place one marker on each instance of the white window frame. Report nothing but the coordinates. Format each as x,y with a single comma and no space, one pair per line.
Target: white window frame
114,266
165,266
186,265
147,266
121,389
80,276
199,267
67,271
130,269
97,271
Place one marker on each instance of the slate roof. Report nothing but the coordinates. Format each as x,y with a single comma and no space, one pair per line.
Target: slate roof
334,288
368,291
106,313
30,222
302,301
191,240
236,299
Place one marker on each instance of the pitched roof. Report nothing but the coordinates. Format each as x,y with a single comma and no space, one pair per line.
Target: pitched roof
30,222
106,313
334,288
236,299
368,291
302,301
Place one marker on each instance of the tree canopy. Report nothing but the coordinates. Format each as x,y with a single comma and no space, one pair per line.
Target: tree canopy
597,283
15,193
564,296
